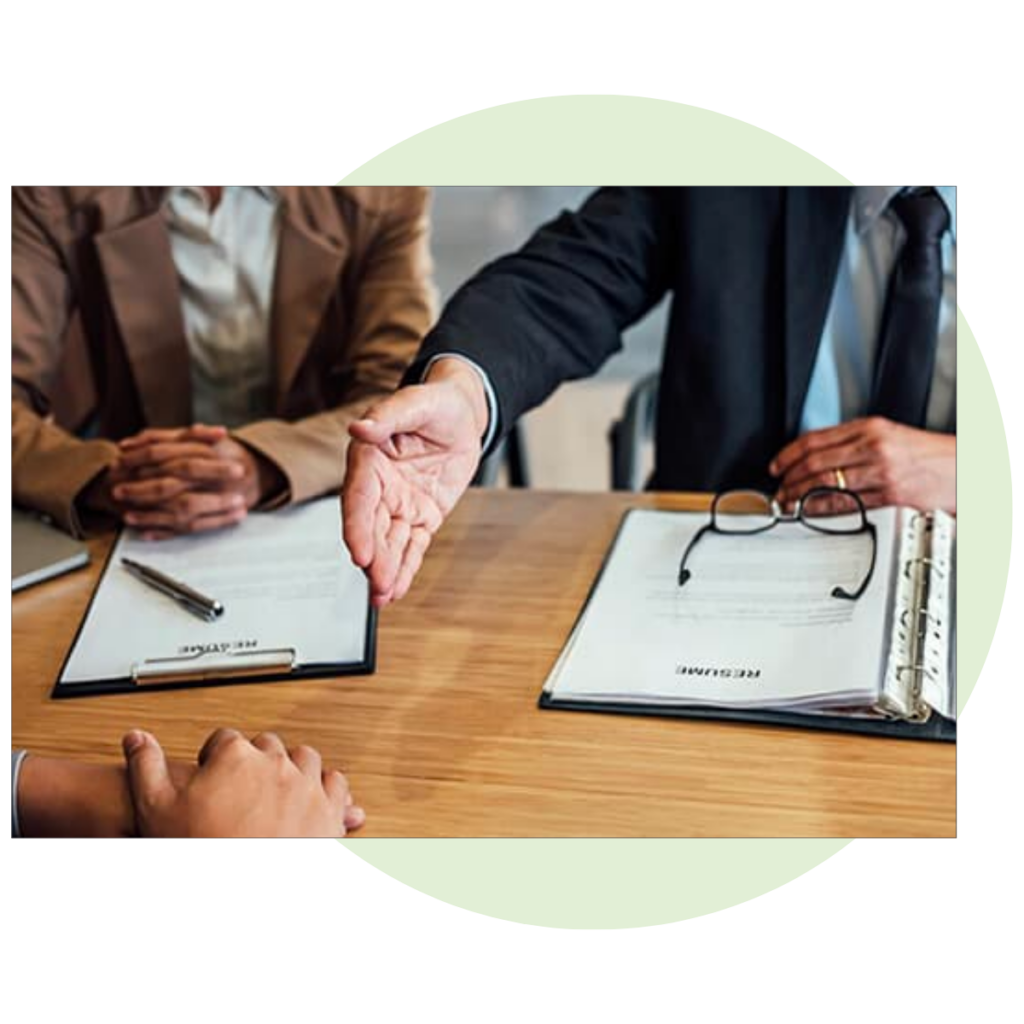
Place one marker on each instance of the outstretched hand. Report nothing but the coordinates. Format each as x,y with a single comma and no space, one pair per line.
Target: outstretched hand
411,458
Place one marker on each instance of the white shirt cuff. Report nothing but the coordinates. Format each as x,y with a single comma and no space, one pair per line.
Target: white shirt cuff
492,398
17,757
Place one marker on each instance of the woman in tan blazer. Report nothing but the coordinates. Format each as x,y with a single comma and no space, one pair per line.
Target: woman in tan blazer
273,314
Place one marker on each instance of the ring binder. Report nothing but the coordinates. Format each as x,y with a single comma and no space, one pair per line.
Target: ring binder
920,674
179,669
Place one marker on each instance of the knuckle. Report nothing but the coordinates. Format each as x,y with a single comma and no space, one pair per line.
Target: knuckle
272,740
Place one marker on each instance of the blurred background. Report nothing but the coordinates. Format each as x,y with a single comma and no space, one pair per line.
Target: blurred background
565,441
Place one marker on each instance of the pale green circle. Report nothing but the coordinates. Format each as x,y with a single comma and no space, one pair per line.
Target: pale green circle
598,883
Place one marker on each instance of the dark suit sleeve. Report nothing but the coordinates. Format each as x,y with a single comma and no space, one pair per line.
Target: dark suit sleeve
555,310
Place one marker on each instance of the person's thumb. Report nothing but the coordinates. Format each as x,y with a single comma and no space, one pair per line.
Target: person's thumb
148,776
404,412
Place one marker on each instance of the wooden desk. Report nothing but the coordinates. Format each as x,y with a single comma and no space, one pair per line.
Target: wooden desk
447,740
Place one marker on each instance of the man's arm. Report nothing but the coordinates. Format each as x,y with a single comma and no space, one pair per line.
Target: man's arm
52,797
394,307
49,468
555,311
551,312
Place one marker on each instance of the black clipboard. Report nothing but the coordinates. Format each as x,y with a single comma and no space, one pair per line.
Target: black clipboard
204,670
936,728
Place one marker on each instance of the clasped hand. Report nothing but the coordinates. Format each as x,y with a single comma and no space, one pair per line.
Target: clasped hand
184,480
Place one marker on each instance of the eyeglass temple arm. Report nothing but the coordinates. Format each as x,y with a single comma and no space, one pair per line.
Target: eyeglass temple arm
841,592
684,573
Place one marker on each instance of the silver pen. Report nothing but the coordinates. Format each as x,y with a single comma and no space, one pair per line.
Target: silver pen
200,605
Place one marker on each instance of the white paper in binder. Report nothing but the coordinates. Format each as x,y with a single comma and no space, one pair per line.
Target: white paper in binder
758,627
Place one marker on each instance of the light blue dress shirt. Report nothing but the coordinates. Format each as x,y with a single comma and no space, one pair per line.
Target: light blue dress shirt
843,376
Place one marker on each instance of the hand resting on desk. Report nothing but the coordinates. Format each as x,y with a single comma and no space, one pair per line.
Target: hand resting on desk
886,463
237,789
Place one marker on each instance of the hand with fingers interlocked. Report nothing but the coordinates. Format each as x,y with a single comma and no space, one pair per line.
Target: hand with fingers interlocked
184,480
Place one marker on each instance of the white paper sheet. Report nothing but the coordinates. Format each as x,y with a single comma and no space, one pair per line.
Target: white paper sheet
285,579
755,626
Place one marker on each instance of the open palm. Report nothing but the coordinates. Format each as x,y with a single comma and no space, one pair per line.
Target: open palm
409,462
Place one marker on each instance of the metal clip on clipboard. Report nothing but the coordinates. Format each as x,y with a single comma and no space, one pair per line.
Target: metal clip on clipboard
201,666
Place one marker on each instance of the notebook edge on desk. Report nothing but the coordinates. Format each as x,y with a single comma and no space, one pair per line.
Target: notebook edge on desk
41,534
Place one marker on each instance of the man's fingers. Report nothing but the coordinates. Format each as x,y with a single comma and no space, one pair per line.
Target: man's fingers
205,434
307,760
163,451
826,461
148,775
337,791
355,818
361,495
184,511
270,743
404,412
378,569
859,479
152,435
412,559
209,470
219,741
204,524
813,441
390,550
149,492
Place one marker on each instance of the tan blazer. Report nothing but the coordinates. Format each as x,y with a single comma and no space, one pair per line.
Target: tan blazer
98,333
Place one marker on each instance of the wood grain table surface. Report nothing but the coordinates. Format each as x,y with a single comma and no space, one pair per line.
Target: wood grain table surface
446,738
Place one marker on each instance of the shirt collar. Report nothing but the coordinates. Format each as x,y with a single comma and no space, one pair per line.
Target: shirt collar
268,192
871,201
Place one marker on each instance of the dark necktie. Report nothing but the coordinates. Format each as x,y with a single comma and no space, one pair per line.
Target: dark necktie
910,325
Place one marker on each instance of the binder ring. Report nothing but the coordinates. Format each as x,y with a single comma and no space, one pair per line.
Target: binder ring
924,670
937,567
923,615
921,712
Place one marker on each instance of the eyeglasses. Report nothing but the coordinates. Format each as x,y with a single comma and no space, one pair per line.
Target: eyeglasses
825,510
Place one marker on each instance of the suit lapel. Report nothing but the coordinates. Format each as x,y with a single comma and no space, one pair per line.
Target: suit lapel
142,284
815,225
308,266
